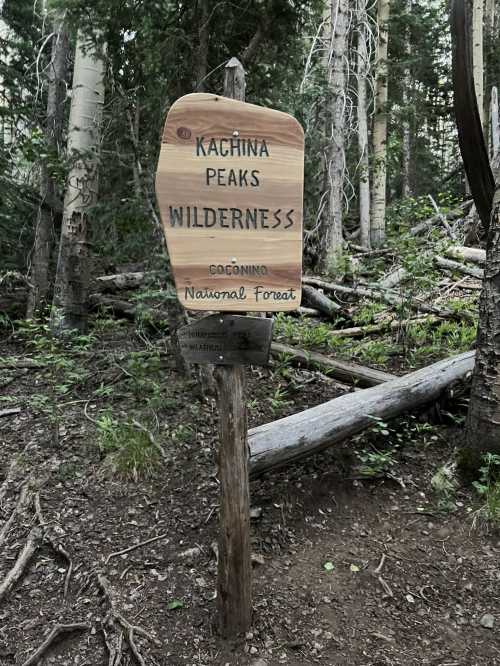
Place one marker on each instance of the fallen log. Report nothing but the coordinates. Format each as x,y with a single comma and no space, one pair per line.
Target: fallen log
348,372
451,265
456,214
20,363
126,310
306,312
474,254
390,298
321,302
300,435
122,281
10,412
372,253
387,325
394,278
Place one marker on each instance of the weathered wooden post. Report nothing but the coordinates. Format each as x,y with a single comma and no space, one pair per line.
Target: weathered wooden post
229,186
234,584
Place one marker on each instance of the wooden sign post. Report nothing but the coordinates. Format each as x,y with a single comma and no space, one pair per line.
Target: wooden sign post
229,187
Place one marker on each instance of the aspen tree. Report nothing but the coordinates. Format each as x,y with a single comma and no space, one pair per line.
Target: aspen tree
380,129
336,28
406,147
69,309
363,69
477,54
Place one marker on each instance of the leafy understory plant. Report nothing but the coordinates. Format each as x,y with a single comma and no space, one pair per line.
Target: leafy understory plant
130,449
445,484
488,487
376,463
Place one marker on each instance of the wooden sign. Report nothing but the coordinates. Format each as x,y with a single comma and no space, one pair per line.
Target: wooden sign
227,340
230,187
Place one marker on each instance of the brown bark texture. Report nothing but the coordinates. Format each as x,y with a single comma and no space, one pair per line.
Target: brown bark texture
483,421
44,230
234,575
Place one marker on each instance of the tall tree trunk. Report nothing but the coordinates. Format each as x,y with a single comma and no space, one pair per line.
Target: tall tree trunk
331,244
477,54
363,69
406,147
44,230
380,129
490,14
69,309
201,66
483,421
494,126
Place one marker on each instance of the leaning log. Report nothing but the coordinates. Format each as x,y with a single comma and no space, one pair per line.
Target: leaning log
449,264
373,292
350,373
321,302
305,433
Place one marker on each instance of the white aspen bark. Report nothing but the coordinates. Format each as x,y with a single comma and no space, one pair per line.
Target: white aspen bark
494,126
380,129
39,278
477,54
332,239
69,309
406,147
363,68
5,127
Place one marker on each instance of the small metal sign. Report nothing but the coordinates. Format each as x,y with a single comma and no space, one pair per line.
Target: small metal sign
227,340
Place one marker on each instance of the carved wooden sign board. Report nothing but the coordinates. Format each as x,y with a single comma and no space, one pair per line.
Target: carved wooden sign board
229,186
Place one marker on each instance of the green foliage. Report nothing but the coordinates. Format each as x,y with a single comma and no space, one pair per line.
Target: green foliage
444,484
376,463
306,334
142,372
183,434
488,488
426,341
374,351
366,314
129,450
278,400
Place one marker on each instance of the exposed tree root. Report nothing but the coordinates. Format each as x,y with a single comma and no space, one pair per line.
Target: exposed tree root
30,547
135,547
54,544
51,639
116,628
12,472
23,502
10,412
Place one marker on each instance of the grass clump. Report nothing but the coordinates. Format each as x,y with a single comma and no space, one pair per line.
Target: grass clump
129,448
488,488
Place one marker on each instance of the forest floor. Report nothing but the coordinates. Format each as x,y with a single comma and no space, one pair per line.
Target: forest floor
367,554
